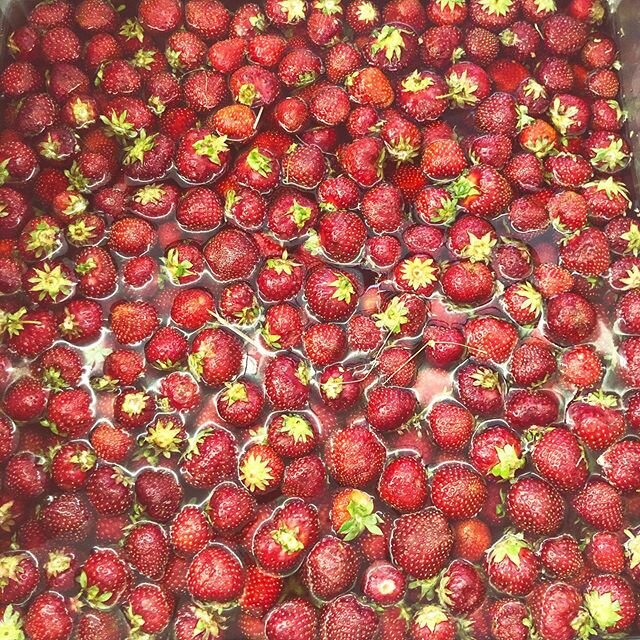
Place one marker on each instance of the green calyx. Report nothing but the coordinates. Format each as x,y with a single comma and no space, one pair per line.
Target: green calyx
430,616
149,194
343,289
235,392
485,378
176,268
612,157
259,163
144,58
296,427
393,317
299,214
462,89
142,144
508,463
92,594
389,39
118,125
50,282
132,29
287,539
43,240
333,387
509,547
211,146
11,625
362,518
496,7
416,82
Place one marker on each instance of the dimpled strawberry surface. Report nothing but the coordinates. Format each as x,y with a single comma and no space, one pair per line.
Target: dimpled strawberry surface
320,320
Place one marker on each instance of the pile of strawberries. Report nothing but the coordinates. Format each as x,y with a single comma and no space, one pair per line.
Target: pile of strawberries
320,319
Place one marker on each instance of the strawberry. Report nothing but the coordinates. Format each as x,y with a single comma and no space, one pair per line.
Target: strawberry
48,616
451,425
132,321
326,584
146,549
213,560
561,556
230,508
458,491
158,493
383,583
534,506
398,475
566,450
490,339
511,565
210,458
159,15
331,293
280,542
293,616
609,603
389,408
570,318
345,618
362,160
421,543
346,452
467,283
201,155
150,608
563,600
599,505
231,254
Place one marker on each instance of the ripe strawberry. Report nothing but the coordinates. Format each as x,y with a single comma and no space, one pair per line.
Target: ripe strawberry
210,458
534,506
599,505
231,254
400,474
555,449
610,604
216,560
458,491
490,339
146,549
326,584
345,618
511,565
421,543
280,541
354,456
563,599
561,557
389,408
294,616
158,493
48,616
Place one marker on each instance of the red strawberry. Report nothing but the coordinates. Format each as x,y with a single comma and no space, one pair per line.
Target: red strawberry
599,505
295,616
219,561
421,543
345,618
146,549
354,456
326,583
48,616
511,565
